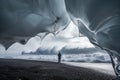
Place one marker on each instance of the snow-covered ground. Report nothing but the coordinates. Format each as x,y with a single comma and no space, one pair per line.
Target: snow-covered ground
101,67
72,59
93,57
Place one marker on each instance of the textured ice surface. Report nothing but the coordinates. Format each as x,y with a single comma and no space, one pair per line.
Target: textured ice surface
99,20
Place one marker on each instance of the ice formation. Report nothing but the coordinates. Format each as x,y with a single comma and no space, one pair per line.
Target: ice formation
99,20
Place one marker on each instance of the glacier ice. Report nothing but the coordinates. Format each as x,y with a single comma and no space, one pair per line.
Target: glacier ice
99,20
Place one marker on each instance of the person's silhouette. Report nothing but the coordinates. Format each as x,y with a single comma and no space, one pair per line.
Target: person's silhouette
59,57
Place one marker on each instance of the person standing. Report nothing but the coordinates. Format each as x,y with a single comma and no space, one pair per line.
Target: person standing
59,57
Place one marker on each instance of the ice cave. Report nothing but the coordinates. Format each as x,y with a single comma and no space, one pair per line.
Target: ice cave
98,20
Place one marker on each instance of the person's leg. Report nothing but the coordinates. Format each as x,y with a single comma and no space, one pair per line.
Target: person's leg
58,60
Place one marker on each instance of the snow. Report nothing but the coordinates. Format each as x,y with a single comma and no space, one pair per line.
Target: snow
94,57
100,67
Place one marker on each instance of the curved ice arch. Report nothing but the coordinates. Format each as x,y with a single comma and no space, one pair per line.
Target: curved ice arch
99,20
22,19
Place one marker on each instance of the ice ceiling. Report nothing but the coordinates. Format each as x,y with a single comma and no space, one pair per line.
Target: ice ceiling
99,20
